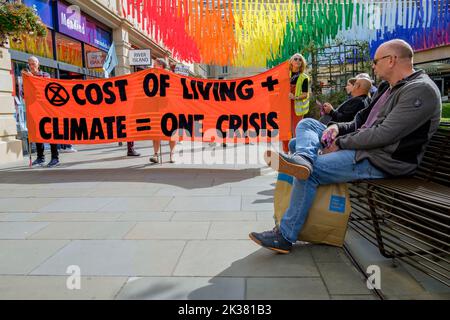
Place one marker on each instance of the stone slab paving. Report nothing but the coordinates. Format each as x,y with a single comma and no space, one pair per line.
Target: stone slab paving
17,216
20,230
115,258
31,288
242,258
76,204
75,216
221,230
76,230
205,203
20,257
215,216
398,281
182,288
169,230
145,203
143,231
286,289
340,278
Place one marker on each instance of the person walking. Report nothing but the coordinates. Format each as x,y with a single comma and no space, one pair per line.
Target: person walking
156,158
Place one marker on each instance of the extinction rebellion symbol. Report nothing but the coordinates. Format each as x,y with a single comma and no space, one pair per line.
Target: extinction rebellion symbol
56,94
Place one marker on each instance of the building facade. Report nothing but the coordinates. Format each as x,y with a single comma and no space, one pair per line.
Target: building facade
231,72
436,63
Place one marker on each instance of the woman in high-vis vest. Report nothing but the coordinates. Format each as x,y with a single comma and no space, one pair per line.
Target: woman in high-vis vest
299,92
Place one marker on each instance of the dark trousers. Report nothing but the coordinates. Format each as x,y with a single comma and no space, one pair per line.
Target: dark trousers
40,150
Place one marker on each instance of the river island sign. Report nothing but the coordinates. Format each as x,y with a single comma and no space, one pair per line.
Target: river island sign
140,57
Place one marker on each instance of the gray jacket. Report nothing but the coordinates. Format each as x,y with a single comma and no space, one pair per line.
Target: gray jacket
396,142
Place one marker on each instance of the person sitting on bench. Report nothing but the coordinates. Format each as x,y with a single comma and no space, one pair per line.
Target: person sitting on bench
388,138
350,107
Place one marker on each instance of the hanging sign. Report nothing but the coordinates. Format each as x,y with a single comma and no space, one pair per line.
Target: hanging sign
140,57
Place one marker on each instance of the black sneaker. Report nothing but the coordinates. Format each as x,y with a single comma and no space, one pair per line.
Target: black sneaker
53,163
293,165
272,239
38,162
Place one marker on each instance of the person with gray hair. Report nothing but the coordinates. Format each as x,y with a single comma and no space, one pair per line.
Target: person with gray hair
386,139
33,70
373,88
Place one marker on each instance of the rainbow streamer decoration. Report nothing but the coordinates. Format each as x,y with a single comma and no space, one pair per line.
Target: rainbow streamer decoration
260,33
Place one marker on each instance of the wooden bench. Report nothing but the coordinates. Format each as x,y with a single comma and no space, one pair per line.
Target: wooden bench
409,218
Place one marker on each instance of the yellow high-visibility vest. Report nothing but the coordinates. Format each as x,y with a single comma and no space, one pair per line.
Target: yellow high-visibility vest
301,106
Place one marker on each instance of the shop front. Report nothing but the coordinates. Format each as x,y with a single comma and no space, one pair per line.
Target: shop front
75,48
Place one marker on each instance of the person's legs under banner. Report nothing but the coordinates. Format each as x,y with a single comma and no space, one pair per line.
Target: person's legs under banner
295,119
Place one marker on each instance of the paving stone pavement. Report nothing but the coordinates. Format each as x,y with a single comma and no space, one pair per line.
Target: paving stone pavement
142,231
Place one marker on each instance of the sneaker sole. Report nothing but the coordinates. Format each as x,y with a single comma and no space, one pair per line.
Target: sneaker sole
277,163
271,248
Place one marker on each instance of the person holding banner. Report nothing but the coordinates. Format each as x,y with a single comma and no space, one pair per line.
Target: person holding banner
386,139
156,158
33,70
299,94
130,150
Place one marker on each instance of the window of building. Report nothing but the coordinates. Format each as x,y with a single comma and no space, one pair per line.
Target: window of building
68,50
94,57
34,45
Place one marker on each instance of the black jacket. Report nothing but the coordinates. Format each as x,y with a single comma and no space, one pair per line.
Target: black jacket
348,109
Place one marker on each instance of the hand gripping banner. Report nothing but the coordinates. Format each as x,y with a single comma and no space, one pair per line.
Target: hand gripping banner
158,104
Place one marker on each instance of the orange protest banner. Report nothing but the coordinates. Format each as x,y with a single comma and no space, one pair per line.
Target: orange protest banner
158,104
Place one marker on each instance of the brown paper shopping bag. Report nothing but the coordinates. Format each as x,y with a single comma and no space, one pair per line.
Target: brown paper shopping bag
328,217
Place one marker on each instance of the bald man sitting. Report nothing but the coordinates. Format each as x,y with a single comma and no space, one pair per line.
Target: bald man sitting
386,139
347,110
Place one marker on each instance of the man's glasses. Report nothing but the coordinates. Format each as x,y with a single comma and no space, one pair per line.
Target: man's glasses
375,61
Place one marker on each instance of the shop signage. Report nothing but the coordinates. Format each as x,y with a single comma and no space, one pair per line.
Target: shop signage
101,38
182,69
95,59
43,9
74,23
140,57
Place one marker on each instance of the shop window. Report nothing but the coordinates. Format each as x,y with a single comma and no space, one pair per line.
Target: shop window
68,50
19,102
95,58
39,46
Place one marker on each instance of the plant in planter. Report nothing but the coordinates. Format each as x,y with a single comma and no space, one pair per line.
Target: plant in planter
17,19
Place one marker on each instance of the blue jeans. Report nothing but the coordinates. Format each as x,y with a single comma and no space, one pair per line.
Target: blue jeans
335,167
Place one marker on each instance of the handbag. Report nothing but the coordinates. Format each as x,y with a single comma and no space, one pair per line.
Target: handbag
328,216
